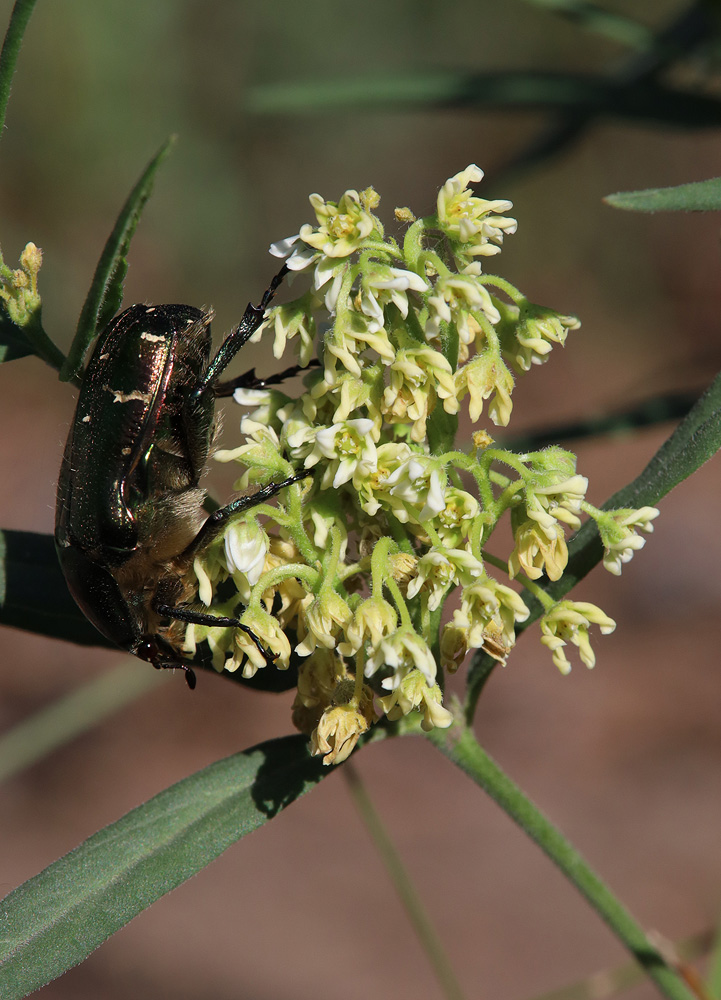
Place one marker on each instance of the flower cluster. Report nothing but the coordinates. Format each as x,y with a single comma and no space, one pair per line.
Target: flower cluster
19,287
347,576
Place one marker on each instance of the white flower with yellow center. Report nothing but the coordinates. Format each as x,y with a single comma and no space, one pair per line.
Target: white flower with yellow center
374,619
323,619
417,376
342,226
340,727
268,632
296,319
347,341
472,220
416,483
569,621
350,450
489,612
536,333
457,517
386,285
557,502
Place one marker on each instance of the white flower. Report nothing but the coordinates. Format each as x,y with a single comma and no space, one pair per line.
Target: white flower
472,220
619,537
413,693
569,621
246,546
385,285
403,651
299,258
351,448
436,571
417,481
455,298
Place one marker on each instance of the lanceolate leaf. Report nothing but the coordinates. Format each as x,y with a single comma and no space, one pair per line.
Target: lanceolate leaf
700,196
33,593
581,93
56,919
106,291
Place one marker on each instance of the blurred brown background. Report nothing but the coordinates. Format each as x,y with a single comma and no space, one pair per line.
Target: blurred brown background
625,758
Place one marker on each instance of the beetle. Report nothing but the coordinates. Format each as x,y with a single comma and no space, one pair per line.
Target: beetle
129,515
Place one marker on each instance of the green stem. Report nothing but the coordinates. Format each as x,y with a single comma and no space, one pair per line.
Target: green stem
460,746
714,972
306,574
11,48
41,343
420,921
503,286
379,565
395,592
295,526
74,714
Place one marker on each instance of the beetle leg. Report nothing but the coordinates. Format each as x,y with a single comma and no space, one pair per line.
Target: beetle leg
201,618
241,334
217,521
249,380
150,648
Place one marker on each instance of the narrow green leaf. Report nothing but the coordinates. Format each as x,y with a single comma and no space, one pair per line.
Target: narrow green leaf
106,291
620,423
581,93
700,196
602,22
72,715
13,343
11,47
56,919
33,592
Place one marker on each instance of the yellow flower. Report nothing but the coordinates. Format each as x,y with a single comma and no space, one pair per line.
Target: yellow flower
569,621
413,693
537,550
342,226
340,728
374,619
471,220
484,376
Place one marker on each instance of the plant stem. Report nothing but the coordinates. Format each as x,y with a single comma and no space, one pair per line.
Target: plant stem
11,47
409,897
72,715
460,746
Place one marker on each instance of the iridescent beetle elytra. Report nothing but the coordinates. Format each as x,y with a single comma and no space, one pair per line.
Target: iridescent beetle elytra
129,516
